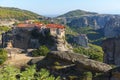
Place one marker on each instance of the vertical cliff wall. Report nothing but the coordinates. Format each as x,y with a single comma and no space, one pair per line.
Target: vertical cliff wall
111,47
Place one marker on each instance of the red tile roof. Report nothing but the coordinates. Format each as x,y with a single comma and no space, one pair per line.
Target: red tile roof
54,26
39,25
24,25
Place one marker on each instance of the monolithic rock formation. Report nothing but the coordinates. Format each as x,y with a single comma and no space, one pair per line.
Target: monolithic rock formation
26,39
112,28
60,44
111,47
81,40
113,74
96,21
81,61
69,63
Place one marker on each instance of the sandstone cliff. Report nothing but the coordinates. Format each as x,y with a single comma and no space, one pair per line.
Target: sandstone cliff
65,64
60,44
95,21
111,47
25,39
80,61
112,28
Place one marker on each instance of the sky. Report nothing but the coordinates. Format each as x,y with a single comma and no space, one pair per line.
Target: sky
58,7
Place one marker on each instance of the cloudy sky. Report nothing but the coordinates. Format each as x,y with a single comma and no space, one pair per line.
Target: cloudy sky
56,7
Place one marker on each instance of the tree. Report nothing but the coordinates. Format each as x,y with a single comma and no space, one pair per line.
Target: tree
11,73
93,52
3,56
8,73
41,51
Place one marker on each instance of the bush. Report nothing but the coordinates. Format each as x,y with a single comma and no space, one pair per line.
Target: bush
4,28
93,52
41,51
8,73
3,56
30,73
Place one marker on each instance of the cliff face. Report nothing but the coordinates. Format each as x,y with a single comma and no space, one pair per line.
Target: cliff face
96,21
112,27
60,44
81,40
25,39
111,48
81,61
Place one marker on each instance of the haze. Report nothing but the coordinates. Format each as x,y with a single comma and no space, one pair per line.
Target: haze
57,7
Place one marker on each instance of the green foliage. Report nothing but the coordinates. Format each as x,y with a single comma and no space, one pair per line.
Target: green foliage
93,52
97,37
30,73
87,76
14,13
94,36
84,30
41,51
70,31
3,56
45,75
4,28
8,73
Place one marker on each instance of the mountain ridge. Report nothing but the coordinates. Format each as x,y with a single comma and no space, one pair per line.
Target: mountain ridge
77,13
16,13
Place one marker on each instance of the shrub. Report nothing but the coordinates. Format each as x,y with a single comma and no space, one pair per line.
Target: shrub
41,51
3,56
30,73
8,73
93,52
4,28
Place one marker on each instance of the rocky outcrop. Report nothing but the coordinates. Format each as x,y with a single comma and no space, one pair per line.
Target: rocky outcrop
60,44
81,40
24,39
112,28
81,61
113,74
109,23
96,21
111,48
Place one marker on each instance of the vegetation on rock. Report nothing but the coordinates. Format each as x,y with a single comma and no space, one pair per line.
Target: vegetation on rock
30,73
41,51
93,52
4,28
94,36
15,13
3,56
76,13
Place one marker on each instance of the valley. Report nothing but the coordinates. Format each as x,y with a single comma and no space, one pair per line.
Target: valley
78,45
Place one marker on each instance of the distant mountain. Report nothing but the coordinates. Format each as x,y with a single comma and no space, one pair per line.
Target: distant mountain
81,18
95,21
97,26
76,13
15,13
